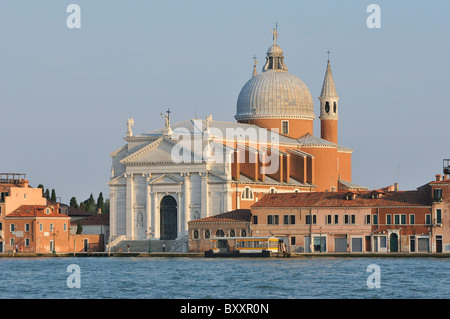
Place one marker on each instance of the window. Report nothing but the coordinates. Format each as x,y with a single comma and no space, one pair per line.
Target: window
327,106
24,196
27,242
232,233
11,241
428,219
336,219
412,219
367,219
438,216
388,219
247,193
207,233
47,211
1,226
346,219
195,234
375,219
255,219
353,219
310,219
243,232
272,190
293,241
65,226
292,219
284,127
288,219
334,107
396,219
12,228
220,233
41,227
328,219
437,195
403,219
27,227
51,245
269,219
51,226
275,219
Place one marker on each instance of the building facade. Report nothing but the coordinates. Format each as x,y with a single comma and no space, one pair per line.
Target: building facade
165,178
358,221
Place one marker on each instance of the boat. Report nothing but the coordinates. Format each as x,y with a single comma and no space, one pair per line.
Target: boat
244,247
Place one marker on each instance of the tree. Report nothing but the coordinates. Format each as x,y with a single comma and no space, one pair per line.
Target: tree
101,202
41,187
79,227
47,194
91,206
53,197
73,202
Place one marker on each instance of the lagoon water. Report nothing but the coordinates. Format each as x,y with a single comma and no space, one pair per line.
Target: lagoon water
240,278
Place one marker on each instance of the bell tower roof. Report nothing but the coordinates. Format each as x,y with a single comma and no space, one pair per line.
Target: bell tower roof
328,87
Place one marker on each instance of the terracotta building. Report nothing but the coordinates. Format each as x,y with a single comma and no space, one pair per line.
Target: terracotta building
29,223
230,224
358,221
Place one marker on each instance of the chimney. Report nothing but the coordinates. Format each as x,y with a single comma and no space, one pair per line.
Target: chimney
99,210
396,187
438,177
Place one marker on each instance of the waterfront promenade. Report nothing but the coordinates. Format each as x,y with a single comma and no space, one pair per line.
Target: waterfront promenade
202,255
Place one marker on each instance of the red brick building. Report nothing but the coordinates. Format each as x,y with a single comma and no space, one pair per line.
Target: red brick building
235,223
358,221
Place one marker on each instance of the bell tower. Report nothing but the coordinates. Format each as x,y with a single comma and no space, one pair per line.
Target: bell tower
329,108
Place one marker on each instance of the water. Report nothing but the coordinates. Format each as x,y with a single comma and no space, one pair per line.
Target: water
240,278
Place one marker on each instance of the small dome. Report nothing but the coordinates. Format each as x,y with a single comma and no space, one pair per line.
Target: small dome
274,50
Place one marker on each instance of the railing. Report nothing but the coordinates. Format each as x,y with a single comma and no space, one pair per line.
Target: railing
179,243
114,240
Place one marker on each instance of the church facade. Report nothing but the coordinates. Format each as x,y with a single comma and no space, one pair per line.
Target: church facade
162,179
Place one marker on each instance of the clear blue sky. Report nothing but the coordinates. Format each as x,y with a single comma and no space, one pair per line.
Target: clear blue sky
65,94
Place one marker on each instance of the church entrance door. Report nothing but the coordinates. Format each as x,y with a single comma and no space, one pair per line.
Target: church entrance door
168,218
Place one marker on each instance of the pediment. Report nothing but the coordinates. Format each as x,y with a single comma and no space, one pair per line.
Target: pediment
161,150
165,179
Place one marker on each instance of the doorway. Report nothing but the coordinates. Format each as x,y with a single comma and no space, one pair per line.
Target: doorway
393,243
168,218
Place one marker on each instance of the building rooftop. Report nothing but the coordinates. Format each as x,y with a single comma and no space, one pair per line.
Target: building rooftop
345,199
35,211
237,215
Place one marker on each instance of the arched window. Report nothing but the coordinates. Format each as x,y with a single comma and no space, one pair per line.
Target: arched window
327,107
220,233
334,107
296,191
273,190
247,193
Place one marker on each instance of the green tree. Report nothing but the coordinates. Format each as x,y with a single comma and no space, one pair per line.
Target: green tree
53,197
101,202
41,187
79,227
107,206
47,194
91,206
82,206
73,202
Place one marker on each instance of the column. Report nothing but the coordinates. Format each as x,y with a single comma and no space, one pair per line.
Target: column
204,192
155,216
180,212
187,201
148,204
129,207
112,213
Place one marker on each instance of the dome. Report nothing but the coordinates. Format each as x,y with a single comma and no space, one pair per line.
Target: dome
274,93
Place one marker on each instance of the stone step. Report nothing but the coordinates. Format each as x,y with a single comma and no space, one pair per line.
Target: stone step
143,245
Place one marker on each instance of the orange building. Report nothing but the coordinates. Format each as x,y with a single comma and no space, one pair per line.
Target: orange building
31,224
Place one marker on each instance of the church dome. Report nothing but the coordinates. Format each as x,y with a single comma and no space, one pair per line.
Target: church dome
274,93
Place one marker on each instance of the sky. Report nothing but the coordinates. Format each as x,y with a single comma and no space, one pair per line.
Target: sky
66,93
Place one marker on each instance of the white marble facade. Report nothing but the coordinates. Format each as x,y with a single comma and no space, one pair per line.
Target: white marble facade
143,173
